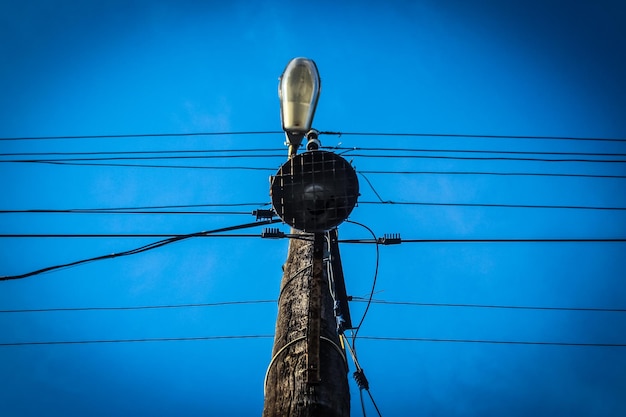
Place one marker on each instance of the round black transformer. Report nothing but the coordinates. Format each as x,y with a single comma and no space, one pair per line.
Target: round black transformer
314,191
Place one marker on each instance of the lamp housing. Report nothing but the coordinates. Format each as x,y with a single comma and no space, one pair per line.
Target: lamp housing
298,91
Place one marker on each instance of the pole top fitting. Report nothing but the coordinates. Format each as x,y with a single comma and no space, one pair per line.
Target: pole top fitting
313,143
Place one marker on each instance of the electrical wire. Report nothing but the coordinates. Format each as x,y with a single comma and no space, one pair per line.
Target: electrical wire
490,306
466,158
142,158
507,174
358,327
192,157
159,152
388,134
516,240
474,136
125,235
48,211
524,206
140,135
141,249
345,150
143,209
493,342
372,338
150,307
226,168
354,299
472,151
155,339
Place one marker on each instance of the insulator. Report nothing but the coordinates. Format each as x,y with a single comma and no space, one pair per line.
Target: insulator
361,380
272,233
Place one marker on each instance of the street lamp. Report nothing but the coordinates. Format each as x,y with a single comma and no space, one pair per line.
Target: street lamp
298,91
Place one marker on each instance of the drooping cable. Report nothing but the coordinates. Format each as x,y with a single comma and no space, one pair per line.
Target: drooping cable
358,327
140,249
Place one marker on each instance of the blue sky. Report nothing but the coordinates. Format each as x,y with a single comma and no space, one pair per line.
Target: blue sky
516,68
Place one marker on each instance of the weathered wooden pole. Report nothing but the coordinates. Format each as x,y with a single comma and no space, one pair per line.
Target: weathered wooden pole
307,376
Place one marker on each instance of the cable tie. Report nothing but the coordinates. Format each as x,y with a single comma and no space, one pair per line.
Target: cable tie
389,239
263,214
272,233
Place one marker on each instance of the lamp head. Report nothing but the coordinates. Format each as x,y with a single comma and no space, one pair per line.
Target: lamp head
298,91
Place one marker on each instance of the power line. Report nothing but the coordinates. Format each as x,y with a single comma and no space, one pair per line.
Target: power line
475,136
124,235
515,240
345,150
146,158
425,150
161,151
294,236
268,336
189,157
498,342
476,158
49,211
510,174
371,295
141,135
376,172
389,134
141,249
354,299
149,307
227,168
524,206
492,306
145,340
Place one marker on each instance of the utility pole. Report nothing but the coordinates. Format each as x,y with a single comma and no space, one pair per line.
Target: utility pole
307,376
313,192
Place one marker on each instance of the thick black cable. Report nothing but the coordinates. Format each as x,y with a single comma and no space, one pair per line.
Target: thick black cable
142,212
120,235
139,158
162,207
516,240
140,249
